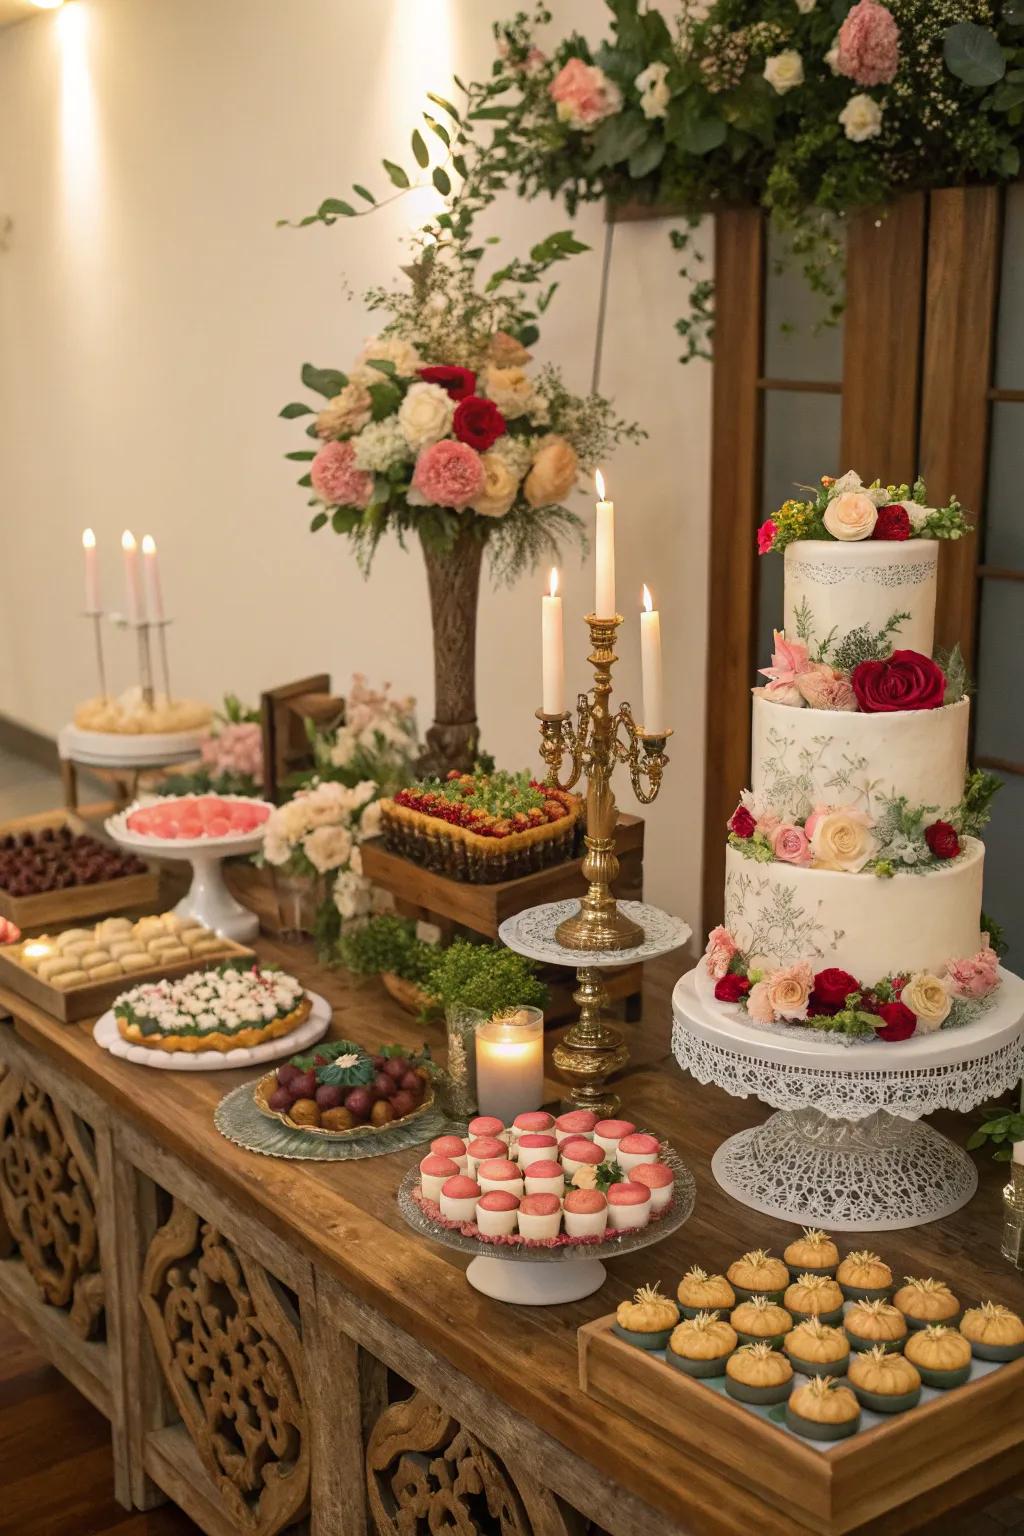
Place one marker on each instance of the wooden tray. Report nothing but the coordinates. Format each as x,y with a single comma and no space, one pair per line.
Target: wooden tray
831,1490
95,997
53,909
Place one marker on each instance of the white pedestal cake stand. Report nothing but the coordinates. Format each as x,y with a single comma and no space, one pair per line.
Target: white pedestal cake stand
847,1148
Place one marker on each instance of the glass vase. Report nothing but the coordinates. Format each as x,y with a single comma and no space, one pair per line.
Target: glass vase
298,900
459,1088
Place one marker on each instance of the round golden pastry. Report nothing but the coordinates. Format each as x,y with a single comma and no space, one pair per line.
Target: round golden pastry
994,1332
926,1301
884,1382
648,1312
756,1373
814,1253
941,1354
759,1318
815,1296
757,1273
700,1292
700,1345
817,1349
821,1409
217,1040
864,1276
868,1323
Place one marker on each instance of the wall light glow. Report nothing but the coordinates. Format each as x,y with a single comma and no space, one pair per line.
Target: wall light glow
421,58
79,150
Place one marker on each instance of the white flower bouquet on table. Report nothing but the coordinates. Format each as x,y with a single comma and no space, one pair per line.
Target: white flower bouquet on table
316,837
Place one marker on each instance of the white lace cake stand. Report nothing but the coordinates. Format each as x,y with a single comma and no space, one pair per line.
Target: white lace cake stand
847,1148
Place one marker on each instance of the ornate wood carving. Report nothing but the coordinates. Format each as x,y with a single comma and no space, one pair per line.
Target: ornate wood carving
48,1198
428,1476
231,1354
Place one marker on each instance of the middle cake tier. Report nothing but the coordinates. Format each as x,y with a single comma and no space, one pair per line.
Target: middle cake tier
779,914
802,758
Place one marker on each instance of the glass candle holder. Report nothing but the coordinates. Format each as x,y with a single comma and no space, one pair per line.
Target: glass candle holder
510,1063
1013,1217
460,1079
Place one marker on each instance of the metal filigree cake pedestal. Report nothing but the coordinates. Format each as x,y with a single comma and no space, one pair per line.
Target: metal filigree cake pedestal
847,1148
592,1050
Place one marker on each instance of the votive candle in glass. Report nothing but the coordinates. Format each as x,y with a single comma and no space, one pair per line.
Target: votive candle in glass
510,1063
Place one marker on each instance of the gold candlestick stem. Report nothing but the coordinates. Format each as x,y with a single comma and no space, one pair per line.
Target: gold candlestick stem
97,634
145,663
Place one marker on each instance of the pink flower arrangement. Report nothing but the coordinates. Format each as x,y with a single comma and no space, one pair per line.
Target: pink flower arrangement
721,947
791,845
583,94
237,748
766,536
336,479
976,976
869,44
449,474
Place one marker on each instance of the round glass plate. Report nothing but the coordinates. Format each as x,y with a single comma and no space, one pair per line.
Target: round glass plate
624,1242
264,1087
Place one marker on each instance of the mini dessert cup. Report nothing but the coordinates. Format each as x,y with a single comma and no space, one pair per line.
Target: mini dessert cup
585,1213
743,1392
866,1292
999,1352
833,1319
499,1173
540,1217
818,1367
578,1122
629,1206
453,1147
702,1368
659,1179
459,1196
887,1402
497,1213
580,1154
488,1125
658,1340
535,1147
484,1149
636,1149
435,1171
533,1121
813,1429
544,1178
943,1380
608,1134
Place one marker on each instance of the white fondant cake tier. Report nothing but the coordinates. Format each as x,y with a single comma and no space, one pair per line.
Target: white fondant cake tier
807,757
872,927
831,586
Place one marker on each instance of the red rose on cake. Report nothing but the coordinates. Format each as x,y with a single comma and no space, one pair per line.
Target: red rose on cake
898,1022
742,822
731,988
832,987
893,522
478,422
943,840
904,680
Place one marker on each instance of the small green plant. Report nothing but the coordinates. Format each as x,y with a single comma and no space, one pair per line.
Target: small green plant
483,976
1000,1129
386,943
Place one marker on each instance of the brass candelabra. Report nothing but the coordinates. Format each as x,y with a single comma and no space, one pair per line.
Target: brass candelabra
599,740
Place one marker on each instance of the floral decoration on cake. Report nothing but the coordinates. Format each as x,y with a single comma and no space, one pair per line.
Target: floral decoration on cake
847,510
892,1009
219,1010
859,674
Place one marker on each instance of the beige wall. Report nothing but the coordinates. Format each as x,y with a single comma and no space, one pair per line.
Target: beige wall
153,320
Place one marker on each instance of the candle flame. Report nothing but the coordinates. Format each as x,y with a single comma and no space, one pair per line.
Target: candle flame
148,544
553,591
88,539
127,540
599,482
648,605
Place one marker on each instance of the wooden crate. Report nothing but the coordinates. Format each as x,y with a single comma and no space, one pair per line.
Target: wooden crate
834,1490
58,909
95,997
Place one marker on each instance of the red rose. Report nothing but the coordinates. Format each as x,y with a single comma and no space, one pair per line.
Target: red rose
900,1023
942,839
478,423
831,989
742,822
905,680
731,988
459,382
893,522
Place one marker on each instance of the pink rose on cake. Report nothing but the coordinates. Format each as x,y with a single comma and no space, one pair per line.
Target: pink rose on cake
976,976
584,95
841,839
791,844
789,991
759,1007
720,950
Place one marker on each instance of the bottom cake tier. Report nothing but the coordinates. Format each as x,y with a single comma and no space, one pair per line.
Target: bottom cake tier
779,914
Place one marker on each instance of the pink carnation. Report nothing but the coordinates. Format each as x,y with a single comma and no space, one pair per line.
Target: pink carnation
791,845
721,948
336,479
583,94
449,474
822,687
766,537
976,976
868,50
759,1006
238,748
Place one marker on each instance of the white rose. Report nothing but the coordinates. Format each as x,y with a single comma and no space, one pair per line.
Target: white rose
352,894
805,6
851,481
918,515
510,388
861,118
328,848
500,487
276,848
654,92
928,999
851,516
843,840
832,57
784,70
388,349
425,415
369,822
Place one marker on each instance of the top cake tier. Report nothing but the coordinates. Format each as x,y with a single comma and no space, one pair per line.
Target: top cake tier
832,588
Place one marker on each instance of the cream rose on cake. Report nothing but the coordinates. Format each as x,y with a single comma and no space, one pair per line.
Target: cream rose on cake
851,516
841,839
928,999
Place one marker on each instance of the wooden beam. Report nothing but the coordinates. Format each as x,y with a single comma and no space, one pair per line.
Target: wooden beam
736,457
964,236
882,339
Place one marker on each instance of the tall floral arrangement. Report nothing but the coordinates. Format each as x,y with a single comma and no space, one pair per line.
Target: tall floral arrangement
318,835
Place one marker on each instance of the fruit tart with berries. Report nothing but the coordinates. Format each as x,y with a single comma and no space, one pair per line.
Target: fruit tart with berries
342,1090
482,827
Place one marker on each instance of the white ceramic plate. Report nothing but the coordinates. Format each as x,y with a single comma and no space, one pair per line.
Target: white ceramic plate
105,1032
125,749
184,847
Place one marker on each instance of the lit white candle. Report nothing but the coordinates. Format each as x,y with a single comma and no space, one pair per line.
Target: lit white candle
553,655
650,658
510,1064
92,575
604,594
132,580
151,570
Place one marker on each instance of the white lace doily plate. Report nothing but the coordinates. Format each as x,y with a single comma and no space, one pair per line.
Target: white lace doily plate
532,933
792,1068
105,1032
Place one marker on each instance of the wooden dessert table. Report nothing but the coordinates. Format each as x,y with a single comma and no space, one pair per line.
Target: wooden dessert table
275,1349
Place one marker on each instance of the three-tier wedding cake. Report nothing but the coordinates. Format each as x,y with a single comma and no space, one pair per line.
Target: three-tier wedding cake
853,880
